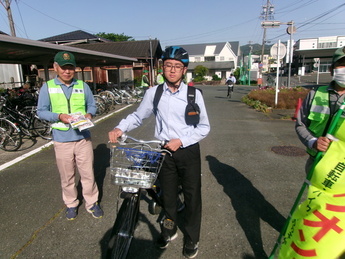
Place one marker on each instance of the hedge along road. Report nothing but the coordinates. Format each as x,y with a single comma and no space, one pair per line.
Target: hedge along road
248,191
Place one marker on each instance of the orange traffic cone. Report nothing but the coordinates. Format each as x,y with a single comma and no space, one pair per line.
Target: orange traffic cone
298,106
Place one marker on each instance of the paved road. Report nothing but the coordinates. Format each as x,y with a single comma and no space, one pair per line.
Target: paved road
248,191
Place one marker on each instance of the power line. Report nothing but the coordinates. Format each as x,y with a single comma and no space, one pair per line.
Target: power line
57,19
310,22
21,18
207,34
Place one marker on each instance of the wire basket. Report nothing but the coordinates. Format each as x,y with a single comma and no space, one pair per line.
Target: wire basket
130,167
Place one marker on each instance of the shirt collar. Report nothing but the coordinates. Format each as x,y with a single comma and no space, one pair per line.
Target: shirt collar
183,87
58,82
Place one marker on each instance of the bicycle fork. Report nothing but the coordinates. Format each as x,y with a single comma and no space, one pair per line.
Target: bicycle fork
124,226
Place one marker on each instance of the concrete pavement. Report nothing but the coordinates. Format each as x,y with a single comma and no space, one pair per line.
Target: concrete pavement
248,190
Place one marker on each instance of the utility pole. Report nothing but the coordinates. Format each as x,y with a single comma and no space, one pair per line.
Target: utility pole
266,14
7,5
151,64
250,61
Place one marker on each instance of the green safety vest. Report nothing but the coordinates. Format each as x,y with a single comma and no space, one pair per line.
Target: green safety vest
160,79
144,79
320,114
60,104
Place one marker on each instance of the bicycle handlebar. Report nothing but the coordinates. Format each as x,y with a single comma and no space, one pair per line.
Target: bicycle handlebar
124,137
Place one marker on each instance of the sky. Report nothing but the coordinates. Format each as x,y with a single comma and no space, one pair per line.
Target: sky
178,22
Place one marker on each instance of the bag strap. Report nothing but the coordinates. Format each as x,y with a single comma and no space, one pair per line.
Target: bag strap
191,94
159,91
158,94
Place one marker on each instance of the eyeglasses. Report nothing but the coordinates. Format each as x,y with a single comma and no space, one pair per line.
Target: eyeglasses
177,67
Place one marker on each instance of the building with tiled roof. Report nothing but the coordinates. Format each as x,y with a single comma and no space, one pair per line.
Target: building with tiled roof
147,52
74,37
220,58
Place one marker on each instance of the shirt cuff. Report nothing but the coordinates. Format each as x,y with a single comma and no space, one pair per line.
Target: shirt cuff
311,142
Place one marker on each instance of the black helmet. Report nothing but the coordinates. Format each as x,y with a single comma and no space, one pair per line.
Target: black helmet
178,53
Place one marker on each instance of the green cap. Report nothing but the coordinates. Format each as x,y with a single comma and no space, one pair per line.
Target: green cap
338,54
145,71
65,58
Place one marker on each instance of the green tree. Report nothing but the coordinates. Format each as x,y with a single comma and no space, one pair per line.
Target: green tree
200,73
115,37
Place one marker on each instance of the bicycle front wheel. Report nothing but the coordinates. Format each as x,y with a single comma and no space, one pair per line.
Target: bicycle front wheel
10,136
42,128
124,227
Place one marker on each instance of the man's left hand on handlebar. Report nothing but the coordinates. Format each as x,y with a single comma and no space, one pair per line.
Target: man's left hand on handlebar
114,135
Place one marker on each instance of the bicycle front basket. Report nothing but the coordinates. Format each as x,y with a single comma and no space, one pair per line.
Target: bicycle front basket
135,167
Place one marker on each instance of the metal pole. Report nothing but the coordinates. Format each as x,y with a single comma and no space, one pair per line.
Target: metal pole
151,65
277,77
249,66
290,53
318,71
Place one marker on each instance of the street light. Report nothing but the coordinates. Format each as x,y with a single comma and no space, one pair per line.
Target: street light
290,30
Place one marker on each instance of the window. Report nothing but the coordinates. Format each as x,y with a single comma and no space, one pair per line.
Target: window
209,58
327,45
87,75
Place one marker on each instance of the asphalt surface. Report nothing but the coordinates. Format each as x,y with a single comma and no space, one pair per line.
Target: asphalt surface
248,190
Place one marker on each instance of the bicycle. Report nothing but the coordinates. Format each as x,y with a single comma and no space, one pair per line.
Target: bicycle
38,127
133,169
10,135
125,96
100,104
230,90
27,121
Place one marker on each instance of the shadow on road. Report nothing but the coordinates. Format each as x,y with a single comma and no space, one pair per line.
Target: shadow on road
139,248
100,165
249,204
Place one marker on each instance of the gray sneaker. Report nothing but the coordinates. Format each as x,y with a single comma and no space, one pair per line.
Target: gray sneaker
96,211
71,213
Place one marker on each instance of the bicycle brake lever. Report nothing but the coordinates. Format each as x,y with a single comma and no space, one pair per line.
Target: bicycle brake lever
122,139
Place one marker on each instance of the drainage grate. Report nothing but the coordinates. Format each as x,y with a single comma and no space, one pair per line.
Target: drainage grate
288,151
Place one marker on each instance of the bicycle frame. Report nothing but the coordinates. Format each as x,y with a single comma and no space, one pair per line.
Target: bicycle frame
128,215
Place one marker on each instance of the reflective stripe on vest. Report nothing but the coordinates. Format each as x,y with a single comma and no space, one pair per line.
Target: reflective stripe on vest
60,104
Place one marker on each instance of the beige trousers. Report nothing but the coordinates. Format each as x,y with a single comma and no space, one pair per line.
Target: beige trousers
72,156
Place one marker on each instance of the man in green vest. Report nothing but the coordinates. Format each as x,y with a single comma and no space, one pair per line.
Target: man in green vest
160,78
58,99
145,82
318,108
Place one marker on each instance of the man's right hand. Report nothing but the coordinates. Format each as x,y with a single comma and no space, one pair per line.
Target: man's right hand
322,144
114,135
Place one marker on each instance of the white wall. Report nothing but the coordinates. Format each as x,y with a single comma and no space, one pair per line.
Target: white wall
341,41
10,76
308,44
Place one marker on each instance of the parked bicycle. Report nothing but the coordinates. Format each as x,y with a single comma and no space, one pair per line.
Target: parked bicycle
26,120
10,135
125,96
133,168
100,104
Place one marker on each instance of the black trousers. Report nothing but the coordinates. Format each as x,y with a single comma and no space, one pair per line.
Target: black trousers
230,89
184,166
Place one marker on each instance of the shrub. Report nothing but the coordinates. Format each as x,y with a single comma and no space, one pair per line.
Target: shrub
287,96
216,78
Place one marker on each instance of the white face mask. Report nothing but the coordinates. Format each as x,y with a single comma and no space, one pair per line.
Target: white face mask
339,76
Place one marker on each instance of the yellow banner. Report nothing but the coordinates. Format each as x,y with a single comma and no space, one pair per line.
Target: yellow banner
317,227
